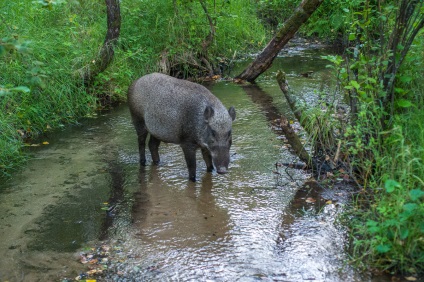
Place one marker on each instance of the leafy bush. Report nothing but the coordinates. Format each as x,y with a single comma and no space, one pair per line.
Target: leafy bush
383,143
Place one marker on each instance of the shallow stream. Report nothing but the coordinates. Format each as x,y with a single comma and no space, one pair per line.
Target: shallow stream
86,188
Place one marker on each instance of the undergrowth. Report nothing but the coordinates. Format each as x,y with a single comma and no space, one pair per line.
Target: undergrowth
388,222
386,217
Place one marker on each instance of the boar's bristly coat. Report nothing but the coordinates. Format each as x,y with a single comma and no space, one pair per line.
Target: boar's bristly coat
181,112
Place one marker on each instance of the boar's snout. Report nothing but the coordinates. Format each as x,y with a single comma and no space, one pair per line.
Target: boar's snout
222,170
222,161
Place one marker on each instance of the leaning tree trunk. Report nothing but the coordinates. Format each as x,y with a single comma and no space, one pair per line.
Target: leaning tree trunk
289,29
106,53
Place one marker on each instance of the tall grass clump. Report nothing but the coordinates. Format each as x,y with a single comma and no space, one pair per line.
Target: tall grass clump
58,42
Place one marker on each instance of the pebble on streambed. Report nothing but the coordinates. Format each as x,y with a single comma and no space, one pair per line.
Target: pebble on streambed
98,260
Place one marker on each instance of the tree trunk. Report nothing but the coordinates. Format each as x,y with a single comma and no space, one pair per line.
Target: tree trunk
208,40
106,53
288,30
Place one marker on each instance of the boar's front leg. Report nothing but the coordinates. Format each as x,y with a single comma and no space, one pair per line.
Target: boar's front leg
190,157
141,130
154,149
208,159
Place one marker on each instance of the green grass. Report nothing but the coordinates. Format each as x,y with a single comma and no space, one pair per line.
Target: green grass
60,42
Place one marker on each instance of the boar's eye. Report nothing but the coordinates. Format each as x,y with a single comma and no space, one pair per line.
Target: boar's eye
214,134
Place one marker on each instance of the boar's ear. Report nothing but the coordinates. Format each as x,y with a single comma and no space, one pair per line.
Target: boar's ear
232,113
208,113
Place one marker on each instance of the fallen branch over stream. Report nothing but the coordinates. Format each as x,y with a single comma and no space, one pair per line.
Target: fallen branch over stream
290,134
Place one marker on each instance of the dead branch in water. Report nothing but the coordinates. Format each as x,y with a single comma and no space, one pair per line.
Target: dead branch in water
284,86
294,141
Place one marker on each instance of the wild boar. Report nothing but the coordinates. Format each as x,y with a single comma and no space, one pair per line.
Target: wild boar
177,111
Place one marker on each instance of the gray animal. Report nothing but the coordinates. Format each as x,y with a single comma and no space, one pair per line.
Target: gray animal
181,112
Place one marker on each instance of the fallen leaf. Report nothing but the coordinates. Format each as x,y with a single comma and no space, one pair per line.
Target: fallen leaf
94,271
329,202
310,200
411,278
93,261
46,143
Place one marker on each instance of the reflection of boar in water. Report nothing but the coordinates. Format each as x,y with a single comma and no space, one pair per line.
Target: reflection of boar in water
181,112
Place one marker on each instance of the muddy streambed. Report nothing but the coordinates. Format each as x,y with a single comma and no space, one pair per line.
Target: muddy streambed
85,188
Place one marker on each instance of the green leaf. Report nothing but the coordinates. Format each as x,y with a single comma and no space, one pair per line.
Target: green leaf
404,233
383,248
391,184
415,194
372,226
404,103
352,36
405,78
409,207
355,84
20,89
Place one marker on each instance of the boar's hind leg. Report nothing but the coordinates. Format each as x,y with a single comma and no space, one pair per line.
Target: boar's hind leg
154,149
190,157
208,159
140,127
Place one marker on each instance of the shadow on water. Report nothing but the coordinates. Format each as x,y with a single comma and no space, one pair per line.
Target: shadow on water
263,100
116,198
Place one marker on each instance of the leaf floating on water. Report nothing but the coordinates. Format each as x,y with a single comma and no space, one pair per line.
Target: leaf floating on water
310,200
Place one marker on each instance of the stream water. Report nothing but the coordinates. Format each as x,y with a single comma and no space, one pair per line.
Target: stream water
86,188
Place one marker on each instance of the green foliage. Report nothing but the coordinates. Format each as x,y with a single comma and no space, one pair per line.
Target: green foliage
42,51
274,13
168,37
382,141
330,22
332,19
